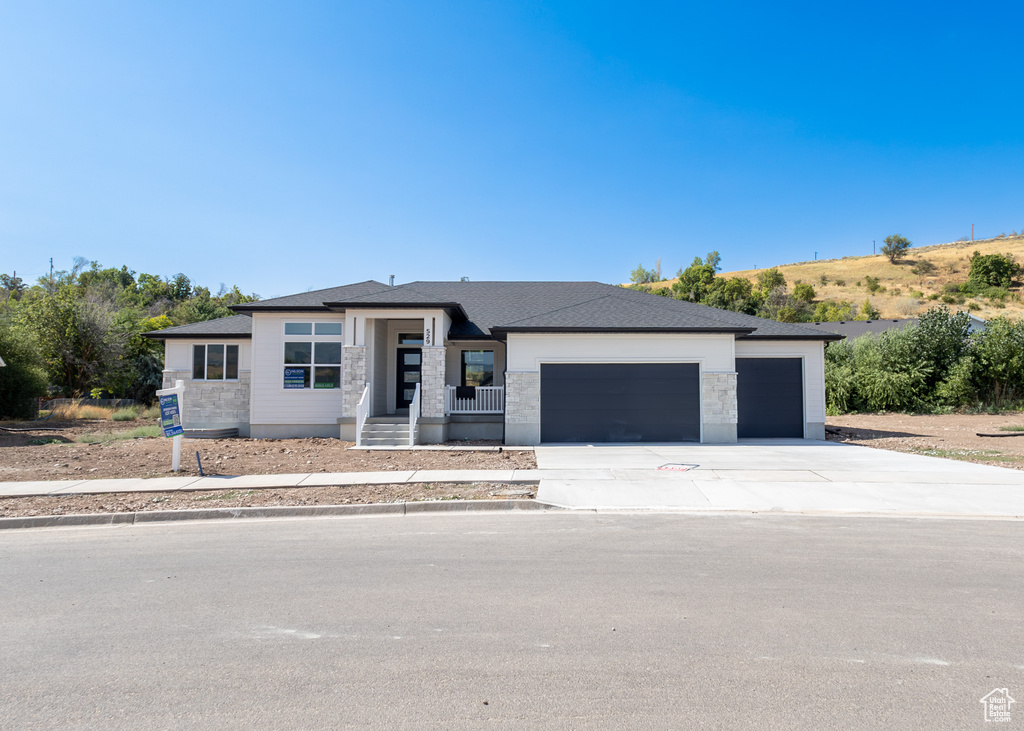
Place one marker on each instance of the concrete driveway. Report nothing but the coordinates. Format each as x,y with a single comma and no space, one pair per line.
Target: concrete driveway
791,475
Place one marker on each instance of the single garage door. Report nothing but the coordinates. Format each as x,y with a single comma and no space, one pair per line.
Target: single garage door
619,402
770,397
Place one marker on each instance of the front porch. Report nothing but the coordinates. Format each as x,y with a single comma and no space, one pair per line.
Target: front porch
403,381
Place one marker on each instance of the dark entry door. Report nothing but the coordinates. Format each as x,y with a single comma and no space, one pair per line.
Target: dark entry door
619,402
770,397
409,366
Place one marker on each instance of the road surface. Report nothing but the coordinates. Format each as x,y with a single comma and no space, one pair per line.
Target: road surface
513,621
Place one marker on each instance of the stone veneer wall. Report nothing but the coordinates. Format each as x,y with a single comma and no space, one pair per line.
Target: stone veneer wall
353,378
432,376
213,403
718,396
522,398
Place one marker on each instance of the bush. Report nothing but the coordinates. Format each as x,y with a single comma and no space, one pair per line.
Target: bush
804,292
872,283
841,282
923,268
992,270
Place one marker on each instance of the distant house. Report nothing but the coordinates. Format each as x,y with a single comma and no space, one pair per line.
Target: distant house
855,328
520,362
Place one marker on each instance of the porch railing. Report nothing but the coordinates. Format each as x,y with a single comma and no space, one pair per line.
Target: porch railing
362,411
414,415
488,400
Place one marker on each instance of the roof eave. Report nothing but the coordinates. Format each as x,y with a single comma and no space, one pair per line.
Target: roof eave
676,330
277,308
823,336
158,335
452,308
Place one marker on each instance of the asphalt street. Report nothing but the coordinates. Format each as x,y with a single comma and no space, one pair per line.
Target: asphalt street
513,621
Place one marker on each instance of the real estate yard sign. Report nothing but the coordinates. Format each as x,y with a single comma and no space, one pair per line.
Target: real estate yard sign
170,419
170,412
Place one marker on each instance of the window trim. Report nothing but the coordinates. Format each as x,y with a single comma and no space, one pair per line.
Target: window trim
206,362
312,339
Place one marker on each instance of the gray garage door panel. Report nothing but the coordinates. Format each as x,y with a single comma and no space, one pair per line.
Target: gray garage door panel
620,402
770,397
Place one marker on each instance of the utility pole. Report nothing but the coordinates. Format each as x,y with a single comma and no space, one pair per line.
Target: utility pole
51,275
873,252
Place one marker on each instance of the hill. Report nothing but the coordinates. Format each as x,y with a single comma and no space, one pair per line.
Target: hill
908,288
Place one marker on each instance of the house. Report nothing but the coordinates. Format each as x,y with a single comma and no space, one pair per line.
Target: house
520,362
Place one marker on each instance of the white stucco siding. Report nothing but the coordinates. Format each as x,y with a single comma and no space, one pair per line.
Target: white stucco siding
526,351
178,352
813,354
271,402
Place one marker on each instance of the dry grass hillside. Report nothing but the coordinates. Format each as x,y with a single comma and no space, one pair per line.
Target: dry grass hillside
903,292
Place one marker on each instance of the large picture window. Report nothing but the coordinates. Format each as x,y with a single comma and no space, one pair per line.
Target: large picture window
314,362
214,362
477,367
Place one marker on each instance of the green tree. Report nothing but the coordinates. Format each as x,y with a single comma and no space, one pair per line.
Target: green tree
22,379
695,282
642,276
999,352
895,247
769,279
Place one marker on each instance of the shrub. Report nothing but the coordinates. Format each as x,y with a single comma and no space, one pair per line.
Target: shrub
993,270
129,414
872,283
823,280
923,268
23,379
841,282
804,292
868,311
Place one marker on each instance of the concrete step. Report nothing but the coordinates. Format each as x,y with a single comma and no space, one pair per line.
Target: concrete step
385,442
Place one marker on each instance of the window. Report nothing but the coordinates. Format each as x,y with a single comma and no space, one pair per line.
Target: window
214,362
477,367
314,362
410,338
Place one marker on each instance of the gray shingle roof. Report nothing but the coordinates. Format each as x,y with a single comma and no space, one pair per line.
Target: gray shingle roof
233,327
856,328
488,309
315,299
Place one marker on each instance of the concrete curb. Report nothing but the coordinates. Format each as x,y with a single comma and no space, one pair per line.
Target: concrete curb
297,511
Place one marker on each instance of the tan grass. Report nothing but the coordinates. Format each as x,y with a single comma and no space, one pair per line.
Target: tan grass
952,264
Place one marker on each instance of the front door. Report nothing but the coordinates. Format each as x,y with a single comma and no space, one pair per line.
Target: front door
409,366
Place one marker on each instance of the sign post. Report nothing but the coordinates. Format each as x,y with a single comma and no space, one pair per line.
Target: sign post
171,400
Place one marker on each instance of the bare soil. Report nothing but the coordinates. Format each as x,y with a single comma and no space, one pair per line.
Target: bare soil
19,507
56,455
953,436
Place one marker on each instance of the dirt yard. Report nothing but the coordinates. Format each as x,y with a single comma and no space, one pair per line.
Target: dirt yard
953,436
62,455
18,507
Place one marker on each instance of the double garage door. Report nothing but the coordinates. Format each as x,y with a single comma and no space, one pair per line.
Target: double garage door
660,402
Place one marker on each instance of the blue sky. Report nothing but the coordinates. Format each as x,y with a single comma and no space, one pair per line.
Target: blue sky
289,146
